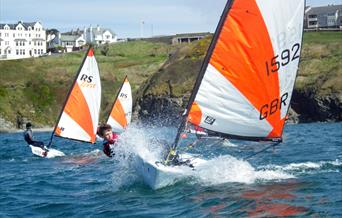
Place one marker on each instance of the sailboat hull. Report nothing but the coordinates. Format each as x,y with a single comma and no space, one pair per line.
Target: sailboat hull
51,153
156,175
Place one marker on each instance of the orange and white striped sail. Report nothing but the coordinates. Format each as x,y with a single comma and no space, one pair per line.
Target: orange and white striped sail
247,81
80,114
120,115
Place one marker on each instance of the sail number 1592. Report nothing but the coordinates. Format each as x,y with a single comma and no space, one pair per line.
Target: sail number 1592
279,61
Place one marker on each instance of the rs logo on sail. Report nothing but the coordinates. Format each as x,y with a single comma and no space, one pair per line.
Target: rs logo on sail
86,81
123,95
275,105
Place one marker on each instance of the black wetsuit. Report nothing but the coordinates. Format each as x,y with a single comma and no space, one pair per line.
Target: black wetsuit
28,136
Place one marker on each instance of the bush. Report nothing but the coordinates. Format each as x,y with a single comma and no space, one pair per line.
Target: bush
105,49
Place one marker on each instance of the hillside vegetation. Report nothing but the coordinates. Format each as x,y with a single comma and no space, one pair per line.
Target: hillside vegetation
36,88
318,88
321,65
162,77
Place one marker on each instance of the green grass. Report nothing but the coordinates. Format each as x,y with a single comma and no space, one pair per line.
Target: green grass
321,66
322,37
37,87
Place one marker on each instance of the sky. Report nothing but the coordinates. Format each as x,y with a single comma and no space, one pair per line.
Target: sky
127,18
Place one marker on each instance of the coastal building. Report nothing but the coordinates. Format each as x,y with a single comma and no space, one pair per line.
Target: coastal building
65,42
72,42
325,17
99,35
22,40
188,37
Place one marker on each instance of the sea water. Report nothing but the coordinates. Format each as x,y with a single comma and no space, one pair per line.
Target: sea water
299,177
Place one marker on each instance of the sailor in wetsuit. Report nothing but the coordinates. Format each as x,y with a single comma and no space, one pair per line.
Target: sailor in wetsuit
110,139
28,136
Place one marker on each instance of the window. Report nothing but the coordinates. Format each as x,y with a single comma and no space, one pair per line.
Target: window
35,51
9,52
0,51
13,35
23,51
17,51
29,34
6,34
16,43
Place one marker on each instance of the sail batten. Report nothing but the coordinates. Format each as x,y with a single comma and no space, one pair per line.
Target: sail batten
121,111
245,85
80,114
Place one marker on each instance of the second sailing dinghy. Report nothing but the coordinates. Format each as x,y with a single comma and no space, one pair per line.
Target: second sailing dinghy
80,114
121,113
245,84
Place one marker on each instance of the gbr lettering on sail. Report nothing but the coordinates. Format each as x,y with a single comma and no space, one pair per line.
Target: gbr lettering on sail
273,65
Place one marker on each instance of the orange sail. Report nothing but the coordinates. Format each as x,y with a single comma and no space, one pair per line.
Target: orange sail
80,114
245,85
120,115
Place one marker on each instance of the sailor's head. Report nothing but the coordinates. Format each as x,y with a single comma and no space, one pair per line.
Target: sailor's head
105,131
28,125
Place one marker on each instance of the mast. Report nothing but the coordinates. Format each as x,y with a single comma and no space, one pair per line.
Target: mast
202,71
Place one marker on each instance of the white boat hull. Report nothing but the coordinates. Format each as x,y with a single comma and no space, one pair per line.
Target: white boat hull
156,175
51,153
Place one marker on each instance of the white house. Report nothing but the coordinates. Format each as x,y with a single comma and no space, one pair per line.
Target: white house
99,35
323,17
22,40
72,42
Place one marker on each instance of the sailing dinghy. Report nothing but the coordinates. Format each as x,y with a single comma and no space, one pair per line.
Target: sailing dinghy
80,114
245,84
121,113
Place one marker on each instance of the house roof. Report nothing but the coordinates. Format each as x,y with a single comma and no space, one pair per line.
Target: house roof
100,31
69,38
325,9
191,35
26,25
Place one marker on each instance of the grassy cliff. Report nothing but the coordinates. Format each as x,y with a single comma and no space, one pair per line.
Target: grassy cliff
162,77
35,89
318,88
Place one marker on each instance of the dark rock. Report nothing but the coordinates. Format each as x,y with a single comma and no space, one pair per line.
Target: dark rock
312,107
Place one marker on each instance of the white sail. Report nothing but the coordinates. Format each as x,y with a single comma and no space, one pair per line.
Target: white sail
80,114
249,76
120,115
